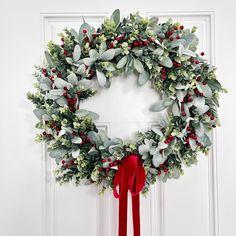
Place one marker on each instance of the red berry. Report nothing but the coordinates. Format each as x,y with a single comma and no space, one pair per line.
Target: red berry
54,70
202,53
78,93
188,128
204,82
199,78
187,140
159,172
163,76
62,45
145,43
190,99
103,160
171,38
161,166
177,37
111,45
181,27
150,40
52,77
109,159
84,31
63,162
87,139
196,91
117,38
140,43
196,62
166,170
175,27
136,44
201,94
183,114
182,108
65,94
65,52
163,71
212,117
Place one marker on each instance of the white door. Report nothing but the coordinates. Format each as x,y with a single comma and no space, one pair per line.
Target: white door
201,203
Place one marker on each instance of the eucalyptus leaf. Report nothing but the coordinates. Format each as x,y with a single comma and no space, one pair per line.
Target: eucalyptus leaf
158,51
61,101
175,109
39,113
57,153
60,83
76,140
72,78
107,55
116,16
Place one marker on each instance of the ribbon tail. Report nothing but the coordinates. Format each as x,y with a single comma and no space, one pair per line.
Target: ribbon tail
123,203
136,214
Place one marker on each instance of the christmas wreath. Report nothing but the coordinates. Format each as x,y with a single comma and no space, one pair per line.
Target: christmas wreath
163,54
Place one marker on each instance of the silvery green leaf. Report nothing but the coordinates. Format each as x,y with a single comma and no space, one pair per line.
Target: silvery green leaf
94,54
192,144
158,159
88,61
44,86
82,113
39,113
152,171
102,48
109,67
116,16
143,78
69,60
175,109
157,131
205,140
60,83
57,153
107,55
61,101
76,140
75,34
85,83
121,63
94,138
61,133
158,51
191,40
186,110
75,153
49,59
200,130
138,66
138,52
101,78
103,135
92,151
76,53
162,145
68,130
175,173
214,84
180,50
158,106
198,101
180,94
167,101
180,86
175,43
55,94
81,70
72,78
118,51
188,52
129,68
142,149
85,26
93,115
205,89
166,61
202,109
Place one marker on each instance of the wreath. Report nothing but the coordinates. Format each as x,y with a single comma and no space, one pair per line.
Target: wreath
163,54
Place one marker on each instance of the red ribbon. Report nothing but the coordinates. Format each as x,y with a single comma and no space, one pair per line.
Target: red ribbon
130,176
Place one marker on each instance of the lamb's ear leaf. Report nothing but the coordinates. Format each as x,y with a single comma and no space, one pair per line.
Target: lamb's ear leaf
166,61
138,65
143,78
101,78
116,16
77,53
121,63
85,26
49,59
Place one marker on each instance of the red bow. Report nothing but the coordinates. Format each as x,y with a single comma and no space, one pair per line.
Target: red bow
130,176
